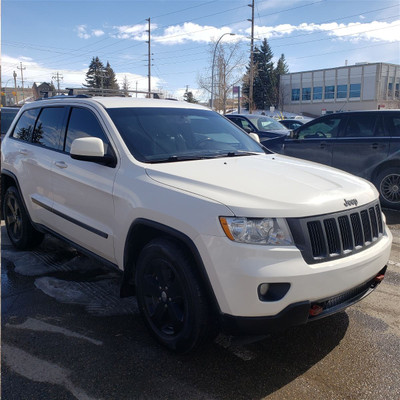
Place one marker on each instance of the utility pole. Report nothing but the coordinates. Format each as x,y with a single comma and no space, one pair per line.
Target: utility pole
251,58
149,57
15,86
57,77
22,79
102,76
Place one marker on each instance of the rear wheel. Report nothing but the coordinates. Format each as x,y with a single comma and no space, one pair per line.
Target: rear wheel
170,296
388,184
19,228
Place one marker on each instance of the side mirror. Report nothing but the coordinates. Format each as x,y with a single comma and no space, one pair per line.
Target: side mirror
254,136
248,130
90,149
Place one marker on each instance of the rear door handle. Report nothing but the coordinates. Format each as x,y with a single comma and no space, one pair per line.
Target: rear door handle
23,151
376,146
61,164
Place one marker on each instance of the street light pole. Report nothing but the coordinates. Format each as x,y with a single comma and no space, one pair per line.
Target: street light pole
212,68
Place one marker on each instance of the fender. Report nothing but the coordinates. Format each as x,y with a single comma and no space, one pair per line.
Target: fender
141,232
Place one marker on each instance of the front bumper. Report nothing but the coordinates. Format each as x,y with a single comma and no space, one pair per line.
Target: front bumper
299,313
237,270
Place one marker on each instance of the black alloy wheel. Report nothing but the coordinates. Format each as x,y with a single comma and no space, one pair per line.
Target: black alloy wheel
170,298
19,228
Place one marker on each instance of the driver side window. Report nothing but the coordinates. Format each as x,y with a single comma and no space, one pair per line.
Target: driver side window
326,128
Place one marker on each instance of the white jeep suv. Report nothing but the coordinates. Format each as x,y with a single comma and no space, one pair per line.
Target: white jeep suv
213,231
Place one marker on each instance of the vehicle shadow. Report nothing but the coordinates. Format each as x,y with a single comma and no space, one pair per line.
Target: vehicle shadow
392,216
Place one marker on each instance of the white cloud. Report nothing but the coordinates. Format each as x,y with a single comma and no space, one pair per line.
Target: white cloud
142,81
97,32
134,32
82,33
354,31
194,33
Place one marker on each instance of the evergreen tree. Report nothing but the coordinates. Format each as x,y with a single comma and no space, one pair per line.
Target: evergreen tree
93,76
188,96
110,80
264,77
281,69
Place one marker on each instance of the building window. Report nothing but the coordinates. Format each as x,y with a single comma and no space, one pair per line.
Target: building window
396,93
341,92
295,94
355,90
317,94
306,94
329,92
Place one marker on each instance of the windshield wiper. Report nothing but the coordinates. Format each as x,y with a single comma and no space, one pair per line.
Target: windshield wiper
239,153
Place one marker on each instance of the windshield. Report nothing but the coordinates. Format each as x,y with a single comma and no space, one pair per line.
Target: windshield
174,134
265,124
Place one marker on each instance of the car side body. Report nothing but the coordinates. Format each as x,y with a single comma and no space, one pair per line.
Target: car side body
363,143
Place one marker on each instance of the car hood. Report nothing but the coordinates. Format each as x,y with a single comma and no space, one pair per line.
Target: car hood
266,185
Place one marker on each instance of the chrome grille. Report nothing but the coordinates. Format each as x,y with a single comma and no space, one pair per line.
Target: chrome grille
336,235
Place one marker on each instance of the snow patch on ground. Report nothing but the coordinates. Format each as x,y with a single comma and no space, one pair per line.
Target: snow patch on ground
99,298
40,326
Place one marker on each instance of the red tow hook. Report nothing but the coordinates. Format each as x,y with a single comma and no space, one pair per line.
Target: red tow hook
315,310
379,278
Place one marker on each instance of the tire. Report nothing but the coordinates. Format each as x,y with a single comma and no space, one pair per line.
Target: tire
19,228
388,185
170,298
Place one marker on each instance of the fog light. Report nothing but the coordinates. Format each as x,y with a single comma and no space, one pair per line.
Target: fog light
263,289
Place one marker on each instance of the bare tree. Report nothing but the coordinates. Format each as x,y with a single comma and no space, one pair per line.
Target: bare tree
228,71
125,86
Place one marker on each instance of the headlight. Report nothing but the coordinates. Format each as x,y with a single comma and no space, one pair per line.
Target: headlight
268,231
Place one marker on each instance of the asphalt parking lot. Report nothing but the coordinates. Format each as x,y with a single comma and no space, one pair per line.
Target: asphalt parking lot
66,334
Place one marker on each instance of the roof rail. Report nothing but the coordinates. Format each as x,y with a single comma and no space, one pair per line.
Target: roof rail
90,92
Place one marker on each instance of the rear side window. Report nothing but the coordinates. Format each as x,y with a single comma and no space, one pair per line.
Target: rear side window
392,124
361,125
325,128
48,128
24,128
83,123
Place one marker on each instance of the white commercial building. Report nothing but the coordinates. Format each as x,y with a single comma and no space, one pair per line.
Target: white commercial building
363,86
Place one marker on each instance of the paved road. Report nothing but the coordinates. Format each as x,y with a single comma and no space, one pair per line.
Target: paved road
67,335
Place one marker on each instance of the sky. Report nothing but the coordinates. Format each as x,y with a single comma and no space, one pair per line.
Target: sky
64,35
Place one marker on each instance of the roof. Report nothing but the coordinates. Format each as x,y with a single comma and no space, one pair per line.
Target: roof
121,102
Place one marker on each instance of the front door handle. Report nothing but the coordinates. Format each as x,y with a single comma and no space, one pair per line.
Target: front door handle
61,164
23,151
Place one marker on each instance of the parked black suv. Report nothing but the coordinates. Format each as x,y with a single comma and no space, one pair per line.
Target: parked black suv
7,115
364,143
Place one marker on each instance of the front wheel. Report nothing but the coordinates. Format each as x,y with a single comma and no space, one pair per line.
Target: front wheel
388,185
19,228
170,296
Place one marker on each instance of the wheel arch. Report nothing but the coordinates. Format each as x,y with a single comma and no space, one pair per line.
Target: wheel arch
141,232
9,179
381,167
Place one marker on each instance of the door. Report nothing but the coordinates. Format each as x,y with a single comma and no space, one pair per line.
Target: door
314,141
83,191
38,138
363,144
